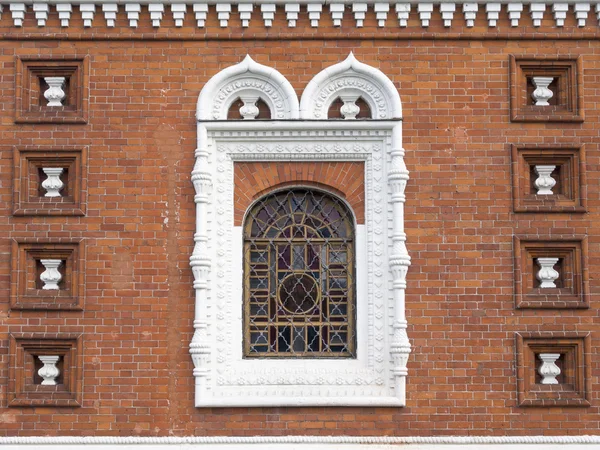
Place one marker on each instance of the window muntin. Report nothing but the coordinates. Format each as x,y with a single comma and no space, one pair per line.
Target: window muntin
299,290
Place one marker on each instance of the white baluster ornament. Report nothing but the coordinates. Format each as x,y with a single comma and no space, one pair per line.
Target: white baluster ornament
49,372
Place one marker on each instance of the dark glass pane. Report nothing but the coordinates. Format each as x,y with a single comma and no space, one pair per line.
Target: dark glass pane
299,275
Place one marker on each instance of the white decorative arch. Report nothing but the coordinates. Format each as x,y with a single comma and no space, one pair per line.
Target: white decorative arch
353,79
247,79
377,376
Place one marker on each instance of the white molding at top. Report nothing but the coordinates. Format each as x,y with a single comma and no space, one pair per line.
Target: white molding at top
247,78
376,377
585,12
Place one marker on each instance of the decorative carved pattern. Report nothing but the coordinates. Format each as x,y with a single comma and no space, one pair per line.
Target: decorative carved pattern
247,79
375,377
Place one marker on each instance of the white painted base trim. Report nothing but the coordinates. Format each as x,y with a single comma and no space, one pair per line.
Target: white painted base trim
304,443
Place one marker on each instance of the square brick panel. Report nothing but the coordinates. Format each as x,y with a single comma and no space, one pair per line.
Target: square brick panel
573,388
24,383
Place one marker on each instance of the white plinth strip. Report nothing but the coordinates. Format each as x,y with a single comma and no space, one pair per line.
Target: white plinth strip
304,443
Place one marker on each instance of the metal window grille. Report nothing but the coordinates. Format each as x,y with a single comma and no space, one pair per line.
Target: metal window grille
299,290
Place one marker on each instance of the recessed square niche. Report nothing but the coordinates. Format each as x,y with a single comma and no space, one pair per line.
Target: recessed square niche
49,181
52,90
553,369
546,90
551,272
47,275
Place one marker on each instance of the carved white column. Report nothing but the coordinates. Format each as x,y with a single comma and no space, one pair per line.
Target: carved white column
542,94
399,261
548,369
200,261
249,110
52,184
49,372
544,183
55,94
349,109
51,276
547,275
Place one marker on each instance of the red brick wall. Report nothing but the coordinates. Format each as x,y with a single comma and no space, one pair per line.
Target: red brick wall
139,301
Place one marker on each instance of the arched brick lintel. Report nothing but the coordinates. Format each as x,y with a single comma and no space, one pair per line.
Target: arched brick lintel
255,179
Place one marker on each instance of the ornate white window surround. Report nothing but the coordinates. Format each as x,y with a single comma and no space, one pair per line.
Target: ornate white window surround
376,377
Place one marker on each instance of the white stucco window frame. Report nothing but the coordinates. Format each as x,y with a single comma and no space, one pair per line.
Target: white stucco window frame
300,132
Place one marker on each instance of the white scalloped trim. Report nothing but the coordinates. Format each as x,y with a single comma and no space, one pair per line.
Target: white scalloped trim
93,13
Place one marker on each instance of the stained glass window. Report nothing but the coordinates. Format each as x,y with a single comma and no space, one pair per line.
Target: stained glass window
299,293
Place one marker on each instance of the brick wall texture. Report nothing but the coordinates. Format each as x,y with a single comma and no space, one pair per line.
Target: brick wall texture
139,300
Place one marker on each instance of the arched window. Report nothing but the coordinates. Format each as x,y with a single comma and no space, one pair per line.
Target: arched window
299,294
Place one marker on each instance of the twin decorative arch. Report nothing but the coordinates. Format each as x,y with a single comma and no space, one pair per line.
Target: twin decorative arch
250,81
300,131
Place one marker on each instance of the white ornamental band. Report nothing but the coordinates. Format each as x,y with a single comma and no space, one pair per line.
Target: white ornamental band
389,15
